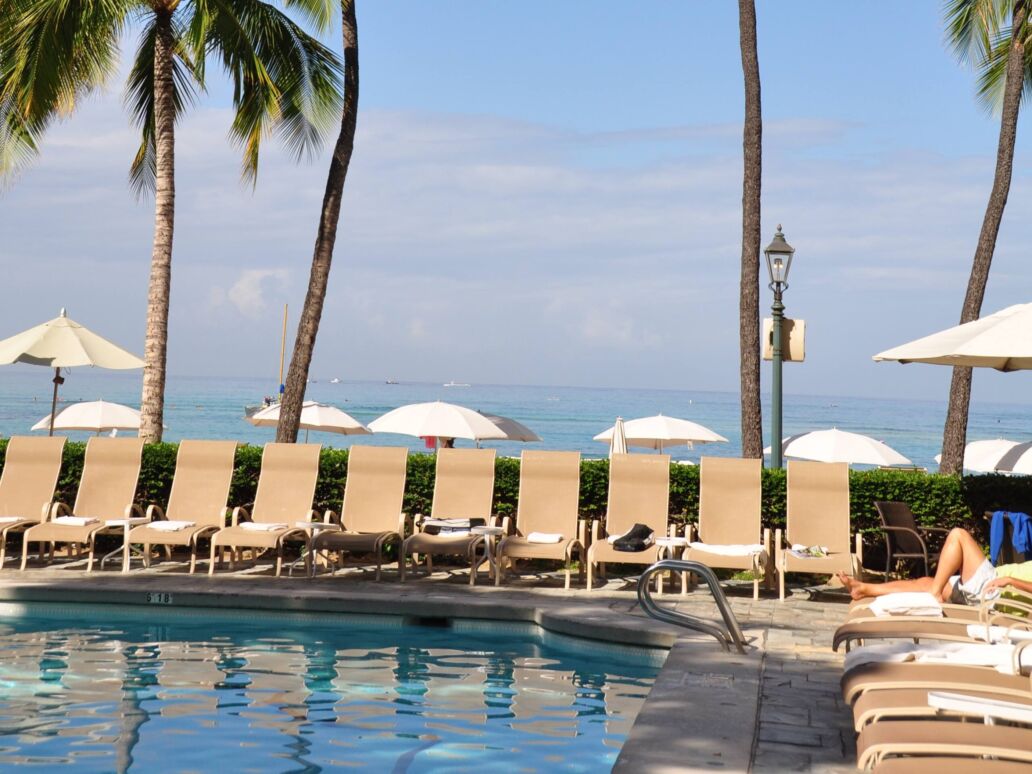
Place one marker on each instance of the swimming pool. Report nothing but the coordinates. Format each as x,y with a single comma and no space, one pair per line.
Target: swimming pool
112,688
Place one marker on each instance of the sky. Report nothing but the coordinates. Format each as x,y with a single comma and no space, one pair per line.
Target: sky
549,192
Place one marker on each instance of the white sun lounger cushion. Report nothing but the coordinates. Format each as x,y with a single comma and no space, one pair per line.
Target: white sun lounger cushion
253,526
986,708
907,603
171,526
75,521
544,537
1000,656
998,634
728,550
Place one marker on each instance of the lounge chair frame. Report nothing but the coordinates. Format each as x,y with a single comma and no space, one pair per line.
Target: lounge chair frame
31,469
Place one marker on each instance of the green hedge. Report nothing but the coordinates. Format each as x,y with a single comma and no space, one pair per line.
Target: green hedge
944,501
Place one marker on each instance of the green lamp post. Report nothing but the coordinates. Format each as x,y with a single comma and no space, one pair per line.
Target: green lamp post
779,261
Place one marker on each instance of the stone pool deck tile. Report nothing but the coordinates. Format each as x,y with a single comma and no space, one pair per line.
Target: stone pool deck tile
775,708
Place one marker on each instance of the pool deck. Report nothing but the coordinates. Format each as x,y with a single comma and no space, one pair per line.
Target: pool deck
776,708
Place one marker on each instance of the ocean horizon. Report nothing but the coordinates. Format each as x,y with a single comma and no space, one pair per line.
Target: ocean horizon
564,417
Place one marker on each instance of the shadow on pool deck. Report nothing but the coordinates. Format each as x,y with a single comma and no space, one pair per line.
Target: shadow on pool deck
777,708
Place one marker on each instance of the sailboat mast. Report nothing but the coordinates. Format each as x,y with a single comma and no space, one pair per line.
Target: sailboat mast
283,351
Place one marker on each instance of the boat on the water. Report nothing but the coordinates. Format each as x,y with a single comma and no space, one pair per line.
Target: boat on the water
391,381
455,384
334,380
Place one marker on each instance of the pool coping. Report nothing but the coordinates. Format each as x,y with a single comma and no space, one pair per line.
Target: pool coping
699,715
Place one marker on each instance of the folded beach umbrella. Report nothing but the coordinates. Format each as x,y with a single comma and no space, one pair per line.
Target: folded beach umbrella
1002,340
618,439
990,456
438,420
314,416
64,343
95,416
840,446
514,431
661,432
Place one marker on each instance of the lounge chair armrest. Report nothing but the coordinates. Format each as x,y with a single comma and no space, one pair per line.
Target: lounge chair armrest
59,509
767,545
155,512
779,539
331,517
582,531
134,511
689,532
312,515
224,516
240,513
506,525
858,554
596,528
403,525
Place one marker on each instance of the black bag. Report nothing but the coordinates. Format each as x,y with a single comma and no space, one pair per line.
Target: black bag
638,538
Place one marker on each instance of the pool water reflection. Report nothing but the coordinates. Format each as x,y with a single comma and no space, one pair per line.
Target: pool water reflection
97,689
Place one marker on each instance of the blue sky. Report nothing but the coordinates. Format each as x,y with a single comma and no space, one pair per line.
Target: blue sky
549,193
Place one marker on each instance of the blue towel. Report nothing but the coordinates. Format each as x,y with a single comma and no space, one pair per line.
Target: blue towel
1021,533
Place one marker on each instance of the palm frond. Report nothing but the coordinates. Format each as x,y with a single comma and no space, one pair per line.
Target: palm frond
139,98
971,26
993,74
284,80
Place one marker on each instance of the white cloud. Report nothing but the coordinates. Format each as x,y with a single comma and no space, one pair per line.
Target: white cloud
249,293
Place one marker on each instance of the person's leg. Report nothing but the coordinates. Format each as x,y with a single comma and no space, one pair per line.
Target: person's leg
960,555
859,589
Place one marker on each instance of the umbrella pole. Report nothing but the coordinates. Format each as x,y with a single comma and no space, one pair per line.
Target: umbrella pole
58,380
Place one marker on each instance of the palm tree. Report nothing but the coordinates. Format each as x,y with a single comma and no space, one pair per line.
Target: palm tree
749,289
311,313
977,29
284,80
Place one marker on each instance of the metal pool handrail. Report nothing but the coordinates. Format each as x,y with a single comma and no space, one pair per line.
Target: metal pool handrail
727,635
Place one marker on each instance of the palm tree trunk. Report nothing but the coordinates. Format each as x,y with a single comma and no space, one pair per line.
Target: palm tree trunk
749,291
152,402
311,313
954,436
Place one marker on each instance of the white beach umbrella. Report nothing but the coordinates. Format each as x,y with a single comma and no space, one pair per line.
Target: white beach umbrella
514,431
314,416
1002,340
92,416
437,420
660,432
1017,460
840,446
618,440
988,456
64,343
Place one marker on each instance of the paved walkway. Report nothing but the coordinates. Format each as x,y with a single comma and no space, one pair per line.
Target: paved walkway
777,708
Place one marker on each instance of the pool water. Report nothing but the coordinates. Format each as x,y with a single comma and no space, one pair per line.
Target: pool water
109,688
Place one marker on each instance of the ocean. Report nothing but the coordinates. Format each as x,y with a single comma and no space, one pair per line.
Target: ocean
564,417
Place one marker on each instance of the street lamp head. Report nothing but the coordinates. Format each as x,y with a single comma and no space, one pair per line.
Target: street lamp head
779,260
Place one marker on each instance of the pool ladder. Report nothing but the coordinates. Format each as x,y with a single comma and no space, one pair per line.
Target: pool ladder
727,635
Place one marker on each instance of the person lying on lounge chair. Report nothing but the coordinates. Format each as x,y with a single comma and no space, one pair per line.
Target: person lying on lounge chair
962,575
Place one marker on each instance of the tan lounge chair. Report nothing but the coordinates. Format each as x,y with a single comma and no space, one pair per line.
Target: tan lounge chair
105,499
371,516
971,741
31,468
197,502
730,499
818,515
912,704
639,493
463,489
548,502
887,676
286,488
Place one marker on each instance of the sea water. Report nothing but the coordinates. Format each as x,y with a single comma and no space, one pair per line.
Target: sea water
564,417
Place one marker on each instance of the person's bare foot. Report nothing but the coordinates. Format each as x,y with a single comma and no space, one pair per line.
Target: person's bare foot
852,585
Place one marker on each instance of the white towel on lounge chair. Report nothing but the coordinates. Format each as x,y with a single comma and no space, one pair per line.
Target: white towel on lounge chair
10,519
254,526
907,603
799,551
728,550
544,537
998,633
75,521
1000,657
171,526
